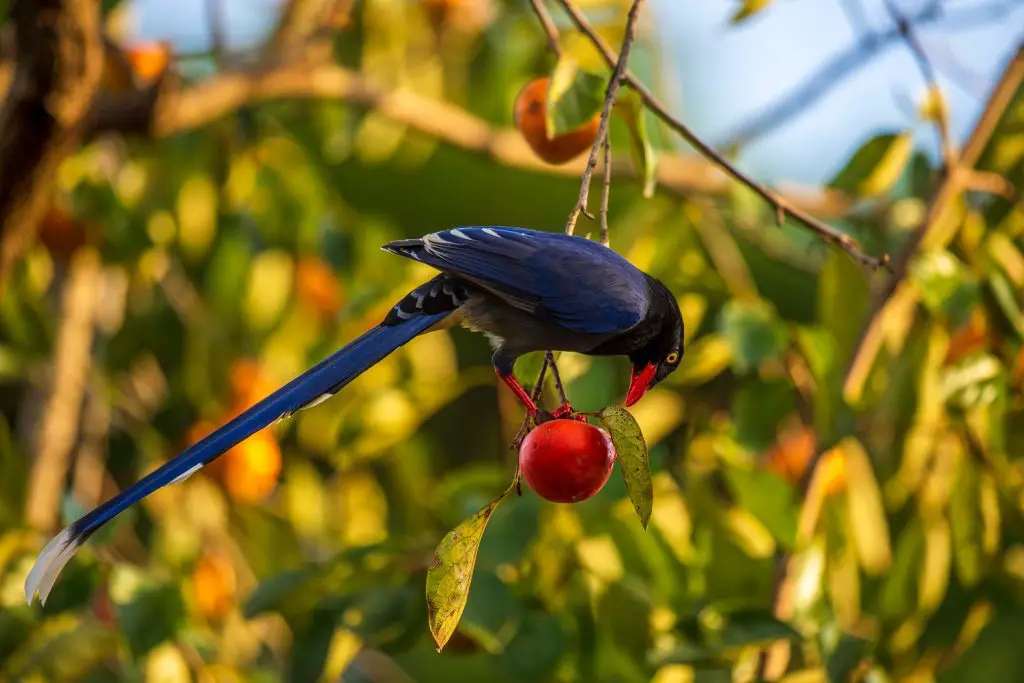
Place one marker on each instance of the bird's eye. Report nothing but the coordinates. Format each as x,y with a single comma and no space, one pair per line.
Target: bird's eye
672,358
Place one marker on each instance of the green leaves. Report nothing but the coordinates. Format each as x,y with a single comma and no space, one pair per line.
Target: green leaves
574,97
451,572
645,159
877,166
946,286
631,452
754,332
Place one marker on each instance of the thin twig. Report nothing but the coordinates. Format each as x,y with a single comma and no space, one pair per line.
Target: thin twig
924,65
216,24
618,73
606,190
840,67
782,208
952,186
557,377
856,16
549,26
535,395
72,362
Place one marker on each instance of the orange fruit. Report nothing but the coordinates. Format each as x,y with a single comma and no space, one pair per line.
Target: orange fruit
213,585
62,234
252,468
967,338
249,383
149,60
792,453
530,114
316,286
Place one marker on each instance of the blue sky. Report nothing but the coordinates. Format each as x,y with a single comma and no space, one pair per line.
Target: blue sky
722,74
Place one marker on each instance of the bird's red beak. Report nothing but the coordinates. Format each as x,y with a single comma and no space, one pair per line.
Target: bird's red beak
638,383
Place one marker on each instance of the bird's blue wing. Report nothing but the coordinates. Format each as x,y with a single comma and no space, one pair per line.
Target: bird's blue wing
576,282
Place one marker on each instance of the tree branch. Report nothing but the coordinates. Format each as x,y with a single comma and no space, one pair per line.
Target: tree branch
956,180
59,63
618,71
550,30
839,67
170,108
924,65
824,231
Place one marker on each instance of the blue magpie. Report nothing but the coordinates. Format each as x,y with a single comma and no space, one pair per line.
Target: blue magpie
526,290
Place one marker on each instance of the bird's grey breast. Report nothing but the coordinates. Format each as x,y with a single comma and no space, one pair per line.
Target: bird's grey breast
518,331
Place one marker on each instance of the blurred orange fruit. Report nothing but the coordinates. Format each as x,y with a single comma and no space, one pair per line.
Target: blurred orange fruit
969,337
103,606
466,16
149,60
252,468
317,286
213,585
530,114
792,454
62,233
249,383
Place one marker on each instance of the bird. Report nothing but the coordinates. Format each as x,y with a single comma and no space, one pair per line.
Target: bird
526,290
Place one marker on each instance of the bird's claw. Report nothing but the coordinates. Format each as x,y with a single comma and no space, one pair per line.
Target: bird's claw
564,411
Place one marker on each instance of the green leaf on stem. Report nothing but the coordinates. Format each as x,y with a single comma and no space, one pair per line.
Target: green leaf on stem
876,166
631,452
451,572
574,97
645,159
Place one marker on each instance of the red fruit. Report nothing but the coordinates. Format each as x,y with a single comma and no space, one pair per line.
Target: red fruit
530,115
566,461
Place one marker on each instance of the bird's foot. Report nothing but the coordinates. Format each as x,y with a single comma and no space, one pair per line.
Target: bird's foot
519,391
564,411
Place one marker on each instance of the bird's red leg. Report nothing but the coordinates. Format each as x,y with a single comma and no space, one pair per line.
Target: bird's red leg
518,390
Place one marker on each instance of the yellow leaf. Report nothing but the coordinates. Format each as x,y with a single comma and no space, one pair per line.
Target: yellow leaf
451,572
889,167
868,525
704,360
631,452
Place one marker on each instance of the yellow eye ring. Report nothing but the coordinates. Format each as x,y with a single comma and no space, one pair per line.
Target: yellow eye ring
672,358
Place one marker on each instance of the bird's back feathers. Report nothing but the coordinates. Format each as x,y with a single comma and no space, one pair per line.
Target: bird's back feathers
575,282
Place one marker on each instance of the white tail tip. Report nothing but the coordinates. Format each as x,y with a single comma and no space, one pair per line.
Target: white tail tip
51,560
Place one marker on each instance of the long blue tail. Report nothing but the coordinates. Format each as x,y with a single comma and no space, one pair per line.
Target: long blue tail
313,386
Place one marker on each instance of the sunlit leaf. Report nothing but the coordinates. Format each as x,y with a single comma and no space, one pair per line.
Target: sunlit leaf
706,358
451,572
876,166
749,8
945,285
631,452
153,616
574,97
645,158
868,523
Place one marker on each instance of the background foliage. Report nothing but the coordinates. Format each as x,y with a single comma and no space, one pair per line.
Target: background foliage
209,267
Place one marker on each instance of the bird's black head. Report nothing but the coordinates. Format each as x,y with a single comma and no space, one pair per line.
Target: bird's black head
662,349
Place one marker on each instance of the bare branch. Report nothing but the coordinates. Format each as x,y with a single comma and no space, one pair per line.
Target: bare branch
58,70
618,72
824,231
58,428
606,190
169,108
840,67
924,65
956,180
549,26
